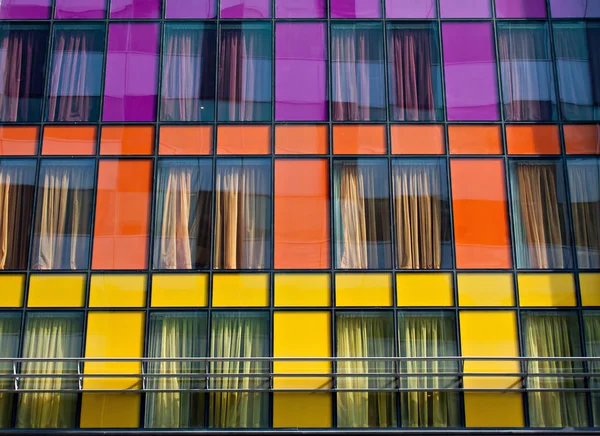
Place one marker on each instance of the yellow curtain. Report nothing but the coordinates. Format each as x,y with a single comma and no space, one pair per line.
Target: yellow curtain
10,325
49,336
365,335
592,343
238,335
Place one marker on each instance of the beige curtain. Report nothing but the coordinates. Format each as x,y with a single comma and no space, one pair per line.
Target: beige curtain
10,325
418,214
592,343
428,335
549,335
176,335
242,220
365,335
238,335
50,336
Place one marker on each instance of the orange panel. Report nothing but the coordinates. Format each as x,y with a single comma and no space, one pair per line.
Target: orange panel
301,140
418,139
532,139
18,141
475,139
244,140
185,140
302,213
357,139
69,140
582,139
122,214
481,229
127,140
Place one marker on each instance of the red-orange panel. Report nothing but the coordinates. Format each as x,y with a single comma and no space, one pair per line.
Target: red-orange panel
532,139
481,230
127,140
18,141
475,139
582,139
301,140
69,140
122,214
244,140
417,139
177,140
359,139
302,213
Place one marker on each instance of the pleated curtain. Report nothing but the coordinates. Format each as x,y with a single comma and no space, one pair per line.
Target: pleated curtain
592,345
10,326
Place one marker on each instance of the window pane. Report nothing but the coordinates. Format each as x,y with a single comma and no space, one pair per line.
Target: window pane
362,231
520,8
411,8
24,9
183,214
364,335
466,9
10,328
76,73
355,9
22,70
414,72
135,8
245,8
191,9
175,335
50,336
575,8
245,72
77,9
303,9
357,72
243,214
591,322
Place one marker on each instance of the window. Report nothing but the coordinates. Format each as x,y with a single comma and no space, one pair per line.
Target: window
591,322
63,214
183,214
10,328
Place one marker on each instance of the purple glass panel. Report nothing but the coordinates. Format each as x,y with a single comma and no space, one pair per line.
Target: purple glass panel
90,9
520,8
245,8
300,72
300,9
470,71
355,9
191,9
466,8
135,8
24,9
410,8
131,72
575,8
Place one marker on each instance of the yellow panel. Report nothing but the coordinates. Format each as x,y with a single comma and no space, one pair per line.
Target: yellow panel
486,290
494,409
363,289
302,410
590,289
11,290
179,290
302,290
240,290
56,290
110,410
118,290
424,289
546,290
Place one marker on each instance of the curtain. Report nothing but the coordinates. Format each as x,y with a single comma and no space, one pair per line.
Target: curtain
238,335
362,229
16,205
183,215
188,75
242,218
365,335
62,225
357,74
22,62
10,325
592,343
176,335
593,42
50,336
554,336
428,335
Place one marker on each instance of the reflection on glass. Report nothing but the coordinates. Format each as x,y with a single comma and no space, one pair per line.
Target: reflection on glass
25,9
135,8
191,9
245,8
520,8
591,322
74,9
466,9
355,9
10,329
411,8
303,9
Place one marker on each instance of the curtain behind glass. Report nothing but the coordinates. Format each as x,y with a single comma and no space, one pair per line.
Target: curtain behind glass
176,335
592,344
10,327
63,215
365,335
183,214
50,336
16,205
242,334
593,42
554,335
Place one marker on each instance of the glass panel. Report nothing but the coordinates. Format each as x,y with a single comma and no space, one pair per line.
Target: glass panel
303,9
188,72
76,73
591,321
575,8
355,9
520,8
135,8
357,72
191,9
245,8
10,329
244,84
24,9
74,9
361,214
411,8
466,9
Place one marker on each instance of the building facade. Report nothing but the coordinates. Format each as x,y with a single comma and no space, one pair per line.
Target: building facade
317,214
